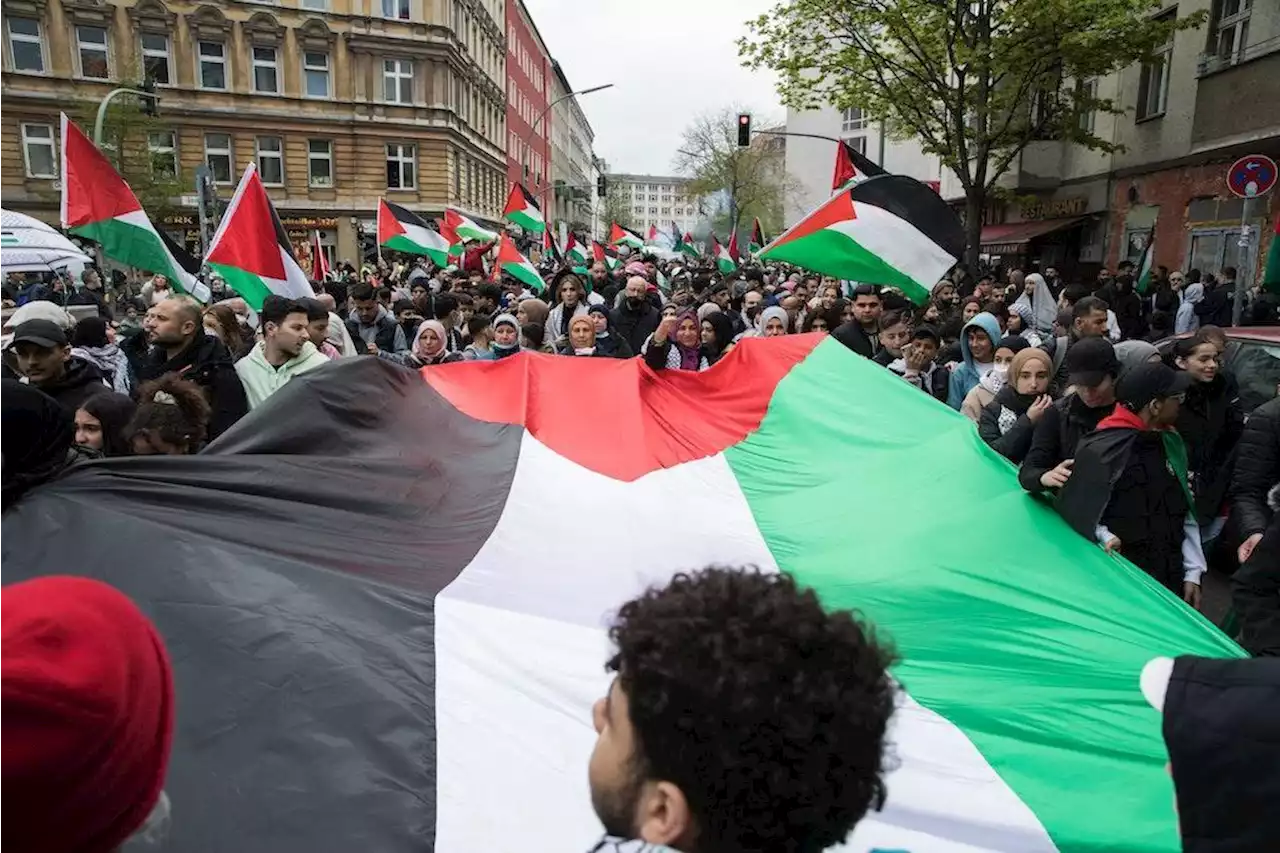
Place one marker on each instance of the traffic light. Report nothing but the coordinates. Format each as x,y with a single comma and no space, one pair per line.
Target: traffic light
744,130
150,103
602,186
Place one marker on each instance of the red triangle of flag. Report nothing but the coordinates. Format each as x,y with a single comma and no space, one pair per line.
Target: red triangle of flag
845,171
248,240
388,225
92,190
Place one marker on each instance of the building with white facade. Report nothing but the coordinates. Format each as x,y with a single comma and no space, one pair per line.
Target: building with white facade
658,200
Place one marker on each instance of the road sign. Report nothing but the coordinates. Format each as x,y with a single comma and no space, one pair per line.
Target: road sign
1252,176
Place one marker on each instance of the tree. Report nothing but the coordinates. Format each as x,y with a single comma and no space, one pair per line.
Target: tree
617,205
974,81
752,181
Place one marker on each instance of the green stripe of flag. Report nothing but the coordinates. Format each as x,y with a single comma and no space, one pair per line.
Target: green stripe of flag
136,246
251,288
1058,714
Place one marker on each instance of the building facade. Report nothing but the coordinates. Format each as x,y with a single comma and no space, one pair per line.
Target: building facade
529,83
572,162
658,200
1202,101
338,102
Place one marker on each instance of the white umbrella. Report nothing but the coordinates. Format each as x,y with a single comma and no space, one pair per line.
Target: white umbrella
27,244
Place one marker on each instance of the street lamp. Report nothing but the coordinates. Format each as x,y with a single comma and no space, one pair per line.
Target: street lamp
529,133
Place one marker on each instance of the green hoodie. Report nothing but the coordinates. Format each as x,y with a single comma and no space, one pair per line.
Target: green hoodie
261,380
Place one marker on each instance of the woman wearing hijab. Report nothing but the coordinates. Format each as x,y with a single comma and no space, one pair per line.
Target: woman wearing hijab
101,421
430,346
532,310
677,343
1186,321
506,336
1037,296
607,343
717,336
1008,422
1022,323
774,321
582,339
39,439
572,296
990,384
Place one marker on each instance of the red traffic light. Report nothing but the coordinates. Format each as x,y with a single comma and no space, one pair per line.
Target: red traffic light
744,119
744,130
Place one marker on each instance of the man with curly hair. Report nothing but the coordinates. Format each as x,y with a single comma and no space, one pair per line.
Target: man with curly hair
743,717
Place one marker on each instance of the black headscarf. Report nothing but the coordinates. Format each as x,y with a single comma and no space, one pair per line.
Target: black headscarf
113,411
38,434
723,327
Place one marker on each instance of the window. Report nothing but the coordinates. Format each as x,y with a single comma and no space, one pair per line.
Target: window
402,166
1153,82
217,156
653,210
1086,91
395,9
397,81
852,119
858,143
316,5
213,65
1231,32
164,155
319,162
637,210
37,147
271,160
26,47
93,52
155,58
266,77
315,68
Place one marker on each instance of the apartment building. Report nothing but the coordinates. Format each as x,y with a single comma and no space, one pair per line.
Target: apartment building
573,171
529,83
659,200
338,102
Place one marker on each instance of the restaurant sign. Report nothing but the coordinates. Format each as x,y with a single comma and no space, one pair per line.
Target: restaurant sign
1054,208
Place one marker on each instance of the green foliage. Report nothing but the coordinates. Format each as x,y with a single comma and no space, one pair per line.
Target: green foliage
752,181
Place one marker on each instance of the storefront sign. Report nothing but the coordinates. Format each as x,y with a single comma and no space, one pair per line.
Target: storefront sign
308,223
1004,248
1054,208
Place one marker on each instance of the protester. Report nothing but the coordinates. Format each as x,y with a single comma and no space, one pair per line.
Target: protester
734,689
988,386
1088,320
1255,509
87,716
918,365
506,336
1188,321
221,322
1091,368
318,327
1210,422
774,321
39,435
1039,300
91,341
677,344
862,335
717,337
1216,307
88,291
480,335
100,423
893,336
449,311
429,348
338,338
1121,298
156,291
172,418
531,335
371,326
1007,423
285,351
607,343
175,332
1128,487
1130,354
978,340
45,358
572,301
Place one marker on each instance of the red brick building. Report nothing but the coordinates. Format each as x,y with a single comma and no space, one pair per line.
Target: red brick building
529,76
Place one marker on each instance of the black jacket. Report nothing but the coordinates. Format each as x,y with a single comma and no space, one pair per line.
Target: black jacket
634,326
207,363
80,381
1257,468
384,339
1055,438
1014,442
1215,308
1210,422
1127,305
85,296
853,336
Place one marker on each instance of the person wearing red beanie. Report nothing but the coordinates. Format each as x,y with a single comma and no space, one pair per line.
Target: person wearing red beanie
86,716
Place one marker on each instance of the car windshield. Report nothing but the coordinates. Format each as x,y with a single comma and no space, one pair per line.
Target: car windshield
1256,367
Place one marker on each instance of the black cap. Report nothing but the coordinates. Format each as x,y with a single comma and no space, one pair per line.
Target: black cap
926,333
43,333
1091,360
1151,381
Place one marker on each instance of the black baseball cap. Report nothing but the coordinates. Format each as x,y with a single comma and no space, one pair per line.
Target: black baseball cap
923,333
43,333
1091,360
1151,381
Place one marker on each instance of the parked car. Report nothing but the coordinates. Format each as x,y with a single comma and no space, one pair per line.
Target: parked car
1252,358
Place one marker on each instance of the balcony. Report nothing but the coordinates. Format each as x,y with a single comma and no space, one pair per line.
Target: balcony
1235,98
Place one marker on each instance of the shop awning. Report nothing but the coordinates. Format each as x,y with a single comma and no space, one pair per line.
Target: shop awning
1011,237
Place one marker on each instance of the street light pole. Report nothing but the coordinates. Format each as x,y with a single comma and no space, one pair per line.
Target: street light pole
533,127
102,109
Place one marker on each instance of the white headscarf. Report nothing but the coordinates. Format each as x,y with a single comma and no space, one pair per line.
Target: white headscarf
1044,308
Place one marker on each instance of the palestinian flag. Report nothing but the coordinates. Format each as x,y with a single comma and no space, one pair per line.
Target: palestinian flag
619,236
523,210
852,167
652,237
577,252
734,255
598,253
467,229
757,241
511,262
1271,272
549,247
1145,271
251,250
97,204
889,230
724,261
456,249
319,260
437,652
686,246
403,230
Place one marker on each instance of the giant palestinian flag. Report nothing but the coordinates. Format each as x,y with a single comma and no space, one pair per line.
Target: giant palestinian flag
402,654
401,229
511,262
523,210
251,250
890,230
99,205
